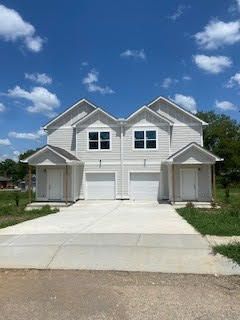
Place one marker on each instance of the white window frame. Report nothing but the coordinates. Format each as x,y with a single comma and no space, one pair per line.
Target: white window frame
99,140
145,139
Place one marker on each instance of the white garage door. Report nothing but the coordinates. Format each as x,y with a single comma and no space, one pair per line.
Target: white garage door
144,185
100,186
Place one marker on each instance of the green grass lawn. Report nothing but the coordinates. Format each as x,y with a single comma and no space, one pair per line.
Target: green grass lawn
231,251
219,222
11,214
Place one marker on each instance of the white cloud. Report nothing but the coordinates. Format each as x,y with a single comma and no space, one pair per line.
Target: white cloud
234,81
13,28
41,78
187,102
136,54
5,142
186,78
167,82
3,157
218,34
84,64
16,153
2,107
91,80
225,105
212,64
27,135
234,7
179,12
238,4
43,100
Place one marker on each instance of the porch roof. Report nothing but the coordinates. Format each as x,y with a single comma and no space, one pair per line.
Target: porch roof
50,155
193,153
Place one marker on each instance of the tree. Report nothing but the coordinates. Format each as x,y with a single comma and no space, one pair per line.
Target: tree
22,168
8,168
222,137
16,170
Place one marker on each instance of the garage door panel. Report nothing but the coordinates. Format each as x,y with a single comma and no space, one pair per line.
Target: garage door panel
144,185
100,186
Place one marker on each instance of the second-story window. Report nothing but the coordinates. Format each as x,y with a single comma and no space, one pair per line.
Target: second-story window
99,140
145,139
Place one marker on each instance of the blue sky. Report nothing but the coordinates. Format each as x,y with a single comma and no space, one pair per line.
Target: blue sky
119,55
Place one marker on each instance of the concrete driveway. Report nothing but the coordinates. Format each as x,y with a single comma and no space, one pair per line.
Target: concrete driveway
108,217
111,235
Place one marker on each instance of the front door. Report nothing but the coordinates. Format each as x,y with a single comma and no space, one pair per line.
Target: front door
55,184
189,184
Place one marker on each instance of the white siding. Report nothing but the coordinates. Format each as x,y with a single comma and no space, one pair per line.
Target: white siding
183,135
41,180
98,122
63,138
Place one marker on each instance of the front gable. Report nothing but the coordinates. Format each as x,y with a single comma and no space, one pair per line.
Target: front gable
193,154
47,157
146,117
174,112
76,112
98,119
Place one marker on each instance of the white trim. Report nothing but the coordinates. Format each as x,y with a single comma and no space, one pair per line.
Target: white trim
145,171
145,140
198,147
196,183
151,111
122,159
91,114
178,107
99,141
85,191
69,109
201,136
187,124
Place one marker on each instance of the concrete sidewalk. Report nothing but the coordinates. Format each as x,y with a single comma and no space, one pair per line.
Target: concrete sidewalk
126,252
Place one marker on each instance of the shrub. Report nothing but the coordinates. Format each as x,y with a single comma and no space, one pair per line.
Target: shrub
189,205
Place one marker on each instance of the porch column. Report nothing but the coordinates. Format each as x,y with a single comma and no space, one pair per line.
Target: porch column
66,184
173,183
213,183
29,184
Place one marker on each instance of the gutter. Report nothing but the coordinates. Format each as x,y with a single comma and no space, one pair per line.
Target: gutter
121,122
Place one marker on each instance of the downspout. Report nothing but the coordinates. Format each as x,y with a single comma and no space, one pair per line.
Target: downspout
121,158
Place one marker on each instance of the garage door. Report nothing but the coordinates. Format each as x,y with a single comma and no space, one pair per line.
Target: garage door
100,186
144,186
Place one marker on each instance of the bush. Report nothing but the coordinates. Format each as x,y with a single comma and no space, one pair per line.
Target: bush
189,205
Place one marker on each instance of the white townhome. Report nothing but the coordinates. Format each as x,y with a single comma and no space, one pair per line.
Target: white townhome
155,154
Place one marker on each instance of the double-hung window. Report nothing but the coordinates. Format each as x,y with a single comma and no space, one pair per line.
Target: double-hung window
99,140
145,139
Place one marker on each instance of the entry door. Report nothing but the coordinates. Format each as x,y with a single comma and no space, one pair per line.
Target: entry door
189,184
55,184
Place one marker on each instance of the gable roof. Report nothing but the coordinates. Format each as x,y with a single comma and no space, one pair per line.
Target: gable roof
69,109
93,113
172,103
67,156
150,111
188,146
